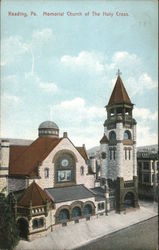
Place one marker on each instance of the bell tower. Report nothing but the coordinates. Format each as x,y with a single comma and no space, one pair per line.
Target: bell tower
120,166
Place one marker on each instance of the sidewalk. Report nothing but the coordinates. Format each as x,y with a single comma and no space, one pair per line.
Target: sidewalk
76,235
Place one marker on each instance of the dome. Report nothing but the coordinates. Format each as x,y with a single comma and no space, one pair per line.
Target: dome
48,124
48,129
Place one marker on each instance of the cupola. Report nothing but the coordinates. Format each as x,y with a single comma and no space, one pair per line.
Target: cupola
48,129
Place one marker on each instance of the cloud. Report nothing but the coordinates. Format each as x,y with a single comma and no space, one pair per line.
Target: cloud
140,84
48,87
76,112
123,58
10,99
42,35
83,122
11,79
85,60
12,49
145,136
145,114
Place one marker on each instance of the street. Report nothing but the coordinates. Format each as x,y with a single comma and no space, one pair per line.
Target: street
142,236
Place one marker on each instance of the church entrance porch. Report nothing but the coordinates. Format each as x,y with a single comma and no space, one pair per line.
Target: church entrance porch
129,200
23,228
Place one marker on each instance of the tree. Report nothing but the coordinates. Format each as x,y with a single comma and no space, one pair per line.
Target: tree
9,235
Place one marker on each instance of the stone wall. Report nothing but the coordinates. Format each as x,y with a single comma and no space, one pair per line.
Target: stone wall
15,184
65,144
120,167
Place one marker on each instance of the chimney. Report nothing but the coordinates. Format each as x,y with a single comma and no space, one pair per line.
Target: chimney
65,135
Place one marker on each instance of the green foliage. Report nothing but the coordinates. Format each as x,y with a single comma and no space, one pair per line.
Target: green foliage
9,235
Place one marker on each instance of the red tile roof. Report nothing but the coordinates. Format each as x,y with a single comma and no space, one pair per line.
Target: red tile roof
27,162
16,151
104,139
34,194
82,152
119,94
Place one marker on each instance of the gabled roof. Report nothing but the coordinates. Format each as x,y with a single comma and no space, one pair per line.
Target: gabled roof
82,152
119,94
15,151
69,193
35,195
104,139
27,162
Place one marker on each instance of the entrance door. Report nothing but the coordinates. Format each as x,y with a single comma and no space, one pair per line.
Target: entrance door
129,200
23,228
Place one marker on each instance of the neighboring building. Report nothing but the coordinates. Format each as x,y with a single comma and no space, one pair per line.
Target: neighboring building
118,150
147,163
5,144
52,183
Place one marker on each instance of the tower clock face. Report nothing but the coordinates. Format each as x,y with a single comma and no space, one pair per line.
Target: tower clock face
64,162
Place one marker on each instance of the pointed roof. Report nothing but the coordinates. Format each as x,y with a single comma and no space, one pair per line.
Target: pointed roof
27,160
35,195
119,94
104,139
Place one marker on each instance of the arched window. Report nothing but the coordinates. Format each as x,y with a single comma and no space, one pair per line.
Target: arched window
112,136
35,223
64,215
129,200
127,135
82,170
76,212
41,222
103,154
46,172
88,210
65,165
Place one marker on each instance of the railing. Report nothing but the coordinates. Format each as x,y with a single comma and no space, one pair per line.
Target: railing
128,184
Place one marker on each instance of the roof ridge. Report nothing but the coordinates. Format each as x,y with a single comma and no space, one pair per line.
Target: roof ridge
48,151
39,191
24,150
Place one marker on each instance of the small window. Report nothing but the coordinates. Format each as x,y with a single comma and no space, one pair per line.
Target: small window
146,178
112,112
82,170
110,154
140,165
103,155
129,154
35,224
114,154
125,154
46,173
127,135
101,206
146,165
112,136
41,222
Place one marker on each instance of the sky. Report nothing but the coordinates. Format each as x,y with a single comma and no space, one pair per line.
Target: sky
59,61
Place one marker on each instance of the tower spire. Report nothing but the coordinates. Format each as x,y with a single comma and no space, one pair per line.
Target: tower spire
118,72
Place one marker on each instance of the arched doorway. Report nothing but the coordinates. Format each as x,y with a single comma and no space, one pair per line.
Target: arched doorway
87,210
76,212
64,215
23,228
129,200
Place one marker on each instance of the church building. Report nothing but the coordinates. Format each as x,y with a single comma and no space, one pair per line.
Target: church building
52,183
